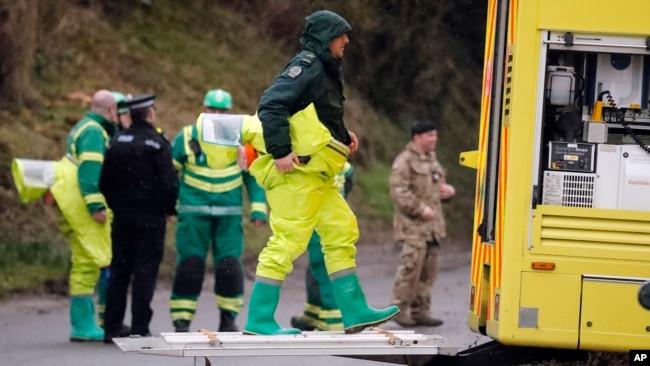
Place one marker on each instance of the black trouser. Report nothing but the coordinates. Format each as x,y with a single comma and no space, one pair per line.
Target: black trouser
138,246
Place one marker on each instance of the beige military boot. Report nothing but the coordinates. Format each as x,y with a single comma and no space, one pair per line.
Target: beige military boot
426,320
404,320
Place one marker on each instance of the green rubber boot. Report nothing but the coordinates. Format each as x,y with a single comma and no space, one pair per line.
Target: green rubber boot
82,318
261,311
357,315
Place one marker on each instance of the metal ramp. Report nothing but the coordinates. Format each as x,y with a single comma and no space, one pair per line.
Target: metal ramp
402,347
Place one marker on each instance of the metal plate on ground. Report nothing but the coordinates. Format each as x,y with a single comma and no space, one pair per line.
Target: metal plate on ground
228,344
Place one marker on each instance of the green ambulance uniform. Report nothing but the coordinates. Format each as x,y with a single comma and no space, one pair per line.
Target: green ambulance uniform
210,218
77,196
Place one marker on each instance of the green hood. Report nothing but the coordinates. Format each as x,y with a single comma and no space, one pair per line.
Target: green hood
321,28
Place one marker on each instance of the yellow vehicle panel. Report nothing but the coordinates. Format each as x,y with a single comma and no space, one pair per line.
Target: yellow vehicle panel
529,259
610,315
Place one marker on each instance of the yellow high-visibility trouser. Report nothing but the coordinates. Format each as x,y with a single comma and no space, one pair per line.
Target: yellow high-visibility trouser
302,201
90,242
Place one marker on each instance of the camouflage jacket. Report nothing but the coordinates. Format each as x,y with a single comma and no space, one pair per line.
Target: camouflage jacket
415,182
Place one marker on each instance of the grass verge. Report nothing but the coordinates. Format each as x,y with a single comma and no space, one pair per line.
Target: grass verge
31,266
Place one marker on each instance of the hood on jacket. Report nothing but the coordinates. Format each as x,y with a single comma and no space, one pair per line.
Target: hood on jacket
321,28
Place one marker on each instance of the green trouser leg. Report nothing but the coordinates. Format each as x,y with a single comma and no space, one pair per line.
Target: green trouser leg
310,318
82,317
102,288
261,311
357,315
320,295
229,291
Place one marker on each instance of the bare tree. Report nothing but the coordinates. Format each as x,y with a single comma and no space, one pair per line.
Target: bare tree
18,35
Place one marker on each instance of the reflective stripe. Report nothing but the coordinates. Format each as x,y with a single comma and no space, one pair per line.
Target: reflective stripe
330,326
94,198
339,147
183,304
182,315
213,187
187,136
311,308
311,319
90,123
91,156
71,158
211,210
330,314
213,173
234,304
177,165
258,207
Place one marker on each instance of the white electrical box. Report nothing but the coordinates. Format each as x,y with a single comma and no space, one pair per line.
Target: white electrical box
634,183
621,181
608,176
595,132
621,75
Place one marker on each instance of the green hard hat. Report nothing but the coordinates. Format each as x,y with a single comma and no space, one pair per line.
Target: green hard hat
218,98
120,99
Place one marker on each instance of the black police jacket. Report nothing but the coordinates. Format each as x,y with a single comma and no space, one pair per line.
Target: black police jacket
138,175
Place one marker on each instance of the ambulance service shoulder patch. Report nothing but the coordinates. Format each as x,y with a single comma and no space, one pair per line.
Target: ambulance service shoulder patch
294,72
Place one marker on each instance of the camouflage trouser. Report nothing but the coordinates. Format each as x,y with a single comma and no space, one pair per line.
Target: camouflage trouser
415,276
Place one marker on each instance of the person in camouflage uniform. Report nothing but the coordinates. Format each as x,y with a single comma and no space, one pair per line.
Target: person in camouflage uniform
418,188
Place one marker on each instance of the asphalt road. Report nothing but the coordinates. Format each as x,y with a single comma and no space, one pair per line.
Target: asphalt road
35,330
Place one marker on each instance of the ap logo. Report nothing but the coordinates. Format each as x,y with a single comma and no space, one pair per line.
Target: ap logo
640,357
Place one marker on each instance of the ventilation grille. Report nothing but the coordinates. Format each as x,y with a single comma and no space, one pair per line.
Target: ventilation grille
568,189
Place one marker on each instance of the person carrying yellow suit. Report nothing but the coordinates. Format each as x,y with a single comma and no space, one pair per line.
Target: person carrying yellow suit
217,134
306,146
85,217
83,214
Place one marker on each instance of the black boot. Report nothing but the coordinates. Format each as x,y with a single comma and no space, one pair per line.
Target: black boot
227,322
125,331
301,322
181,326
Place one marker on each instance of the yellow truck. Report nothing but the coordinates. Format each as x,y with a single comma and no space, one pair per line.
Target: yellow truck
561,241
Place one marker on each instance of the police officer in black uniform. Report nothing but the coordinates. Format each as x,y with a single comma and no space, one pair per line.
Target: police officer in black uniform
140,184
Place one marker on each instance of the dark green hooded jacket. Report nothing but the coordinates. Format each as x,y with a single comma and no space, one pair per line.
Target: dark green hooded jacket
312,76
